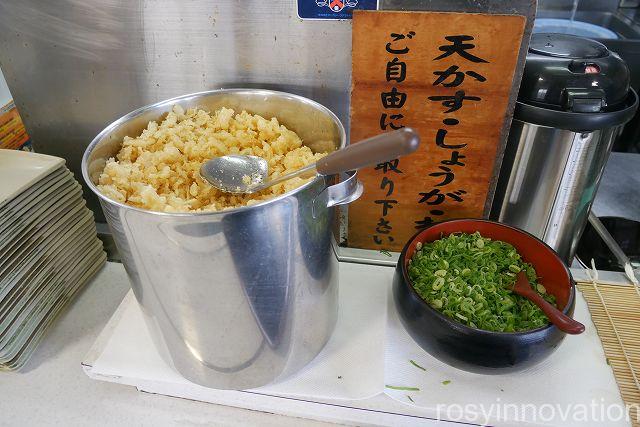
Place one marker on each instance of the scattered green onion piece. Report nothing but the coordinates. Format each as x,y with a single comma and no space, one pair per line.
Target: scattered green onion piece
395,387
414,363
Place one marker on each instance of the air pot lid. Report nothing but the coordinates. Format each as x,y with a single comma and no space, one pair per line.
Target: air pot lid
574,75
567,46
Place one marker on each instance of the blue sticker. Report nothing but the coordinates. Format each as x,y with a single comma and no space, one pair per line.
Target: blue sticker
333,9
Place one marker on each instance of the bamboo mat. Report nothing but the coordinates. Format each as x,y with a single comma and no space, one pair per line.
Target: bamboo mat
615,310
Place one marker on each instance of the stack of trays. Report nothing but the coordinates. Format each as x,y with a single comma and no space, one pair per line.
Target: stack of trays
48,249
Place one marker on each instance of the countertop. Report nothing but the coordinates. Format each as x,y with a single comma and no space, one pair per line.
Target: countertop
53,390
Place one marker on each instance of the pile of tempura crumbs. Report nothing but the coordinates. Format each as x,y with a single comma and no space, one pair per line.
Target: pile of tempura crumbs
159,170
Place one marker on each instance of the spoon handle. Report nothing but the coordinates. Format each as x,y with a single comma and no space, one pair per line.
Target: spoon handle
558,318
371,151
298,172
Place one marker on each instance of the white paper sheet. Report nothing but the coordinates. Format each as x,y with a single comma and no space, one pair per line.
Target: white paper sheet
351,366
575,375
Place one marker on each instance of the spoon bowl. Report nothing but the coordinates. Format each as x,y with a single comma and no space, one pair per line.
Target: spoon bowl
555,316
236,173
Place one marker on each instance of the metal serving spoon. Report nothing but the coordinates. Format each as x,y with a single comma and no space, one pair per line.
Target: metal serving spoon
557,317
249,174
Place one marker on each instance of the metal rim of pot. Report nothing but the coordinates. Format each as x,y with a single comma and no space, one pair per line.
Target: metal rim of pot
127,117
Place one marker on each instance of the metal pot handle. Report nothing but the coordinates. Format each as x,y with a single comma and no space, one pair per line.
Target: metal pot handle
348,190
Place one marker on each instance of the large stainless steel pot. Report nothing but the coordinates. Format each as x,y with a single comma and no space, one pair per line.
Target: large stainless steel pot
244,297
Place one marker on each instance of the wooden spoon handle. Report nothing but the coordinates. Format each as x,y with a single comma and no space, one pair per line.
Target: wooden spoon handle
371,151
558,318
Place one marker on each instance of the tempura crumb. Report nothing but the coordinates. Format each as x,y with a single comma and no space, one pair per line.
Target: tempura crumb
159,170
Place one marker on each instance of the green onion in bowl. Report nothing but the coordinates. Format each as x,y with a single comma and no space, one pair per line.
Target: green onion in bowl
468,278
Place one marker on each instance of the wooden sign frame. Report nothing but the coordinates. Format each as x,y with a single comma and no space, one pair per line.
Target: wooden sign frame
525,16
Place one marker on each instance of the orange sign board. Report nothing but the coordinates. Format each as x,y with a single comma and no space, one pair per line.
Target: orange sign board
448,76
12,132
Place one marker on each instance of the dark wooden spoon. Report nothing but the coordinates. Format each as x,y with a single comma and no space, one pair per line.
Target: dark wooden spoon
557,317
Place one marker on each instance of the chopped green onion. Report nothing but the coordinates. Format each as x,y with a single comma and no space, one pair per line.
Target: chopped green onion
413,362
445,382
395,387
470,278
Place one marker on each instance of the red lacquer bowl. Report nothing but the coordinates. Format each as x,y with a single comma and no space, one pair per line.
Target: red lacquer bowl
473,349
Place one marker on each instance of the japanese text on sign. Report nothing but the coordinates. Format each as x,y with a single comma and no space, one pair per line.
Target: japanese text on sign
449,77
445,172
391,117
